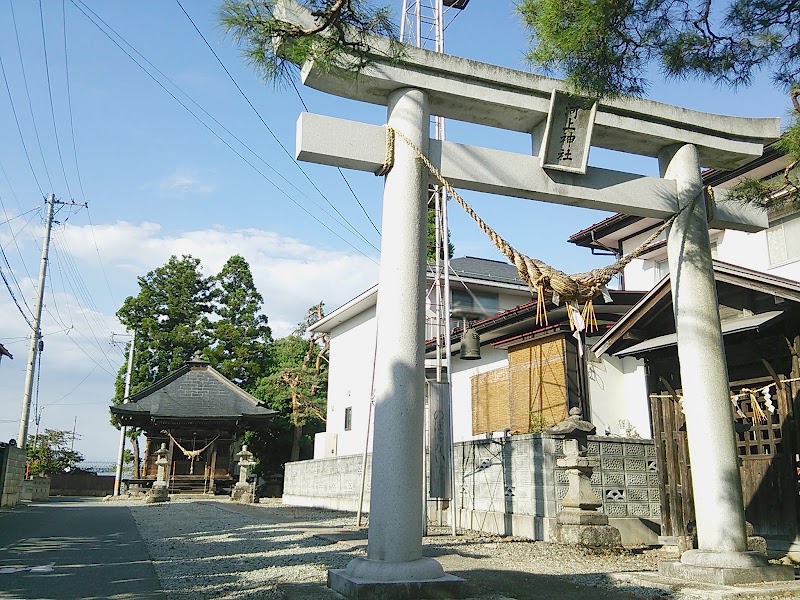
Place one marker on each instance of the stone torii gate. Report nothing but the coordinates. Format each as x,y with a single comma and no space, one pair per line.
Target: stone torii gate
562,129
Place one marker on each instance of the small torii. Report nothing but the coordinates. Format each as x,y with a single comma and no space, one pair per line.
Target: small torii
562,129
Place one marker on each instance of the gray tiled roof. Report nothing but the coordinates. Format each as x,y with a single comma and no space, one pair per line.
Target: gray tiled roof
488,270
193,391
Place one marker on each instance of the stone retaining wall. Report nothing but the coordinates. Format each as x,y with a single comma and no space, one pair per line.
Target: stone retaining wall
508,486
12,472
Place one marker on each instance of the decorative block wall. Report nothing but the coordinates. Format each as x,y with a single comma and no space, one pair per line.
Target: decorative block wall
627,480
504,486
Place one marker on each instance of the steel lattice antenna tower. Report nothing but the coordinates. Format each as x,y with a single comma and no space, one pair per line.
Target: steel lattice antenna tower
422,25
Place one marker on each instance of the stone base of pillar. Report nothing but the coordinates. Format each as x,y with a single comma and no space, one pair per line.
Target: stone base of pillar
158,493
243,494
601,536
365,579
725,568
755,543
725,576
585,527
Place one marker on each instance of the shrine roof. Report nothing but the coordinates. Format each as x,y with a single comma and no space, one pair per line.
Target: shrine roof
195,391
657,299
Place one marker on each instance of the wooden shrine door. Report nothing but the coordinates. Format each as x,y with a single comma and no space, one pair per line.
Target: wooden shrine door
769,458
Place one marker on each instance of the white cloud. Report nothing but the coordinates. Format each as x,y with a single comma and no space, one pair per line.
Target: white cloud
182,182
290,274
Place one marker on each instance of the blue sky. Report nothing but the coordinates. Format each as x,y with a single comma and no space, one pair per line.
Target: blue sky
158,182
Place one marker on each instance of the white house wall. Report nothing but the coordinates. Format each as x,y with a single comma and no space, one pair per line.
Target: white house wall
640,275
750,250
463,372
350,380
618,392
747,250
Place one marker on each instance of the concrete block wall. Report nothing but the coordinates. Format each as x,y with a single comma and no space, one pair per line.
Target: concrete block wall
333,483
36,489
507,486
12,472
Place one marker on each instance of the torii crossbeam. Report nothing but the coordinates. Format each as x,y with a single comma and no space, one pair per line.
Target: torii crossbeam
562,129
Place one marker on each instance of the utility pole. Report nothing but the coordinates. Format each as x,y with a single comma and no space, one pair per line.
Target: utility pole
122,428
36,336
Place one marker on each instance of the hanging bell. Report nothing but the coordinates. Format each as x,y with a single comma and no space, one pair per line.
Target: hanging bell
470,345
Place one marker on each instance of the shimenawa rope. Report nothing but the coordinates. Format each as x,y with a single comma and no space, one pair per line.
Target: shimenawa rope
191,453
540,277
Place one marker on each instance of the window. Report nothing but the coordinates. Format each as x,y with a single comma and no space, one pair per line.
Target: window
662,269
661,266
531,394
783,240
348,418
468,304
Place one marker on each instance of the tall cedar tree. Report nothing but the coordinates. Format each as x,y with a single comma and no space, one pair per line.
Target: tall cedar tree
170,318
240,335
604,48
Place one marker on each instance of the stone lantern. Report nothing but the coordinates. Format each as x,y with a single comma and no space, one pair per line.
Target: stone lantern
243,492
580,522
159,492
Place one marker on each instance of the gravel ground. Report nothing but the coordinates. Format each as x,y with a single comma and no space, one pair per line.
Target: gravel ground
215,549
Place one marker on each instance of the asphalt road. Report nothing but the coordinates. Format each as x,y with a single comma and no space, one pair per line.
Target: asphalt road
69,549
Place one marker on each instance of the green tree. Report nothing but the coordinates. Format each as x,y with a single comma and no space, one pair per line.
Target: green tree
431,244
296,388
170,318
603,48
338,37
240,334
51,452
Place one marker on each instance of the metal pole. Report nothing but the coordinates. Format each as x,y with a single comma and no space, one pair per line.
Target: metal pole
36,336
123,429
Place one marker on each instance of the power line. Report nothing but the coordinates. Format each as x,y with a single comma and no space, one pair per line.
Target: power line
8,264
371,222
69,103
272,133
20,215
28,94
16,281
19,129
14,298
204,124
100,260
80,383
15,235
52,107
80,291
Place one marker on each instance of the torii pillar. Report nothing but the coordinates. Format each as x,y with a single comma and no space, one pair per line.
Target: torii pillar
562,128
394,551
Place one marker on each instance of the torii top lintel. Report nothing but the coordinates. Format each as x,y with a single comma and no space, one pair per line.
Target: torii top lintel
476,92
